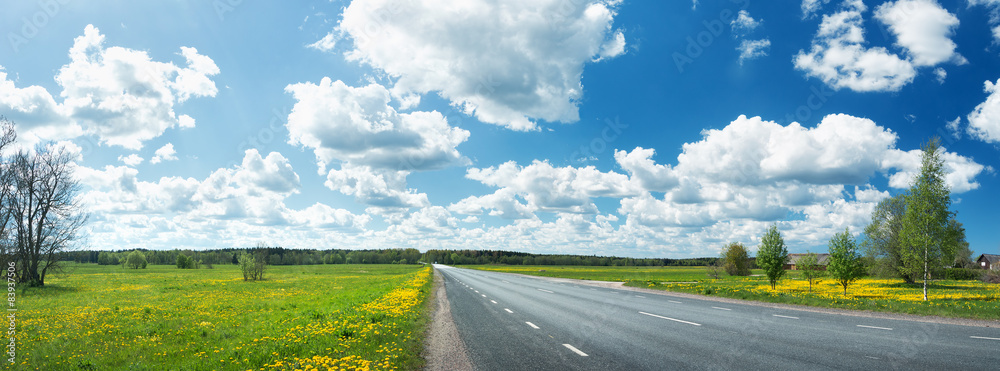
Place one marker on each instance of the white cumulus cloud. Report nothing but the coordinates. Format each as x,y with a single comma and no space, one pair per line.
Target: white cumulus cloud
743,23
543,187
376,187
839,58
35,113
371,146
923,28
165,153
121,95
960,171
753,49
810,7
124,96
131,160
252,193
984,120
728,186
641,168
341,123
507,63
994,20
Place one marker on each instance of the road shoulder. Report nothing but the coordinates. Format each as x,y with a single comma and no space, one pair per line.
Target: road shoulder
444,348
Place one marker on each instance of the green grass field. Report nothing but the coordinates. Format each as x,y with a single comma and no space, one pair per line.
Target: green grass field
164,318
961,299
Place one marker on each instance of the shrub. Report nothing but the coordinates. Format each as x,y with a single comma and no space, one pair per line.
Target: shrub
252,267
135,260
107,259
991,276
184,262
811,269
713,270
736,260
962,274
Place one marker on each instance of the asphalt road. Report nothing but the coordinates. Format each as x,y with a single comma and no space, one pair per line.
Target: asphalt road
513,322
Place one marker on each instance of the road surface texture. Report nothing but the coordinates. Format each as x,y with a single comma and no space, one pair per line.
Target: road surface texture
516,322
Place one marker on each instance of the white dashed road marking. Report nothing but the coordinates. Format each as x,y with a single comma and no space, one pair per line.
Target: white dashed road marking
877,328
984,338
789,317
721,308
544,290
577,351
508,310
532,325
670,319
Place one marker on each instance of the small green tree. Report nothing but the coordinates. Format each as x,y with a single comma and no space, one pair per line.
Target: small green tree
882,242
845,264
184,262
252,266
772,255
735,259
135,260
246,265
926,240
810,267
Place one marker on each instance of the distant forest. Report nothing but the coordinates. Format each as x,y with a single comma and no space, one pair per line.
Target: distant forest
283,256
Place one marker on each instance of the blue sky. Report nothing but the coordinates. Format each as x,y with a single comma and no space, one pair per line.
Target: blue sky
645,129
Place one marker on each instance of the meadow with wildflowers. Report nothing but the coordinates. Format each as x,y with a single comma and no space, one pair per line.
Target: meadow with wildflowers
947,298
336,317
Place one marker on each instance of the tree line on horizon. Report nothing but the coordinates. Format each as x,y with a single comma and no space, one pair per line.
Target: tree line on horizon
271,255
283,256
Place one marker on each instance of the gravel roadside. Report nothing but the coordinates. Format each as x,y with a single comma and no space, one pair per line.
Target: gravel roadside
443,348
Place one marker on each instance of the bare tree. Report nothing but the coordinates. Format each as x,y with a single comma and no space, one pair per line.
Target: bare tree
45,212
7,136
